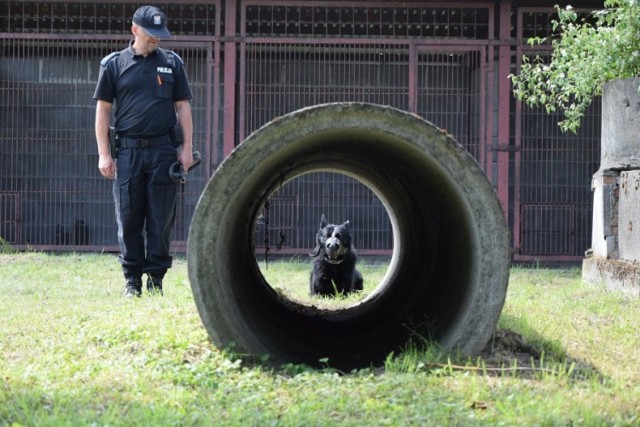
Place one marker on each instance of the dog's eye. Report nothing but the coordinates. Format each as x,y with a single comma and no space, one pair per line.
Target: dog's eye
338,236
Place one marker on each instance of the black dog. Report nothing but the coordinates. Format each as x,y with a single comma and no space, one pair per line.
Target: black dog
334,269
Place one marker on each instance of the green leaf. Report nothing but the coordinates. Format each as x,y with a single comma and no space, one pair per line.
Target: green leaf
585,54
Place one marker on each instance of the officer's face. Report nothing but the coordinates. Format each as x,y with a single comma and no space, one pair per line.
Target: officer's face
144,41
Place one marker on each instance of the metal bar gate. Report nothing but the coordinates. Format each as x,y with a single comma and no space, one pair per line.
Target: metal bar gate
252,60
444,81
552,189
51,196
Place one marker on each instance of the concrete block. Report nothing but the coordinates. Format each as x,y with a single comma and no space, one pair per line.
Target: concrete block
629,216
615,275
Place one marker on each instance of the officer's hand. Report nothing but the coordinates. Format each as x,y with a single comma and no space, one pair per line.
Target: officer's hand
185,156
107,167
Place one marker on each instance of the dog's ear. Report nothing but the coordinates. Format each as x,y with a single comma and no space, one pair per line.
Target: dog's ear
323,221
346,224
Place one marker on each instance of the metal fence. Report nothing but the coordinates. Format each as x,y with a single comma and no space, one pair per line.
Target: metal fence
553,202
52,195
251,61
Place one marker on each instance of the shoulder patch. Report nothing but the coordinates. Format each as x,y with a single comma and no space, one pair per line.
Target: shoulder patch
108,58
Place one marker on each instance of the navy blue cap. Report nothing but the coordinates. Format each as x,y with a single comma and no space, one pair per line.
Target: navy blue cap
152,20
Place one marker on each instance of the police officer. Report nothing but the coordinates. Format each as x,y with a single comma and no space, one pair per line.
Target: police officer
151,93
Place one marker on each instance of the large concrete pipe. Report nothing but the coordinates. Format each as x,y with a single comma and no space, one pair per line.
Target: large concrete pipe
449,270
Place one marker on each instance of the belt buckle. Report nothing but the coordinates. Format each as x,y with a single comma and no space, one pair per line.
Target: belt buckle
144,143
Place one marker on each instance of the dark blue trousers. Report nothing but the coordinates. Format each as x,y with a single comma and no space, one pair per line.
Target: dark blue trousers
145,199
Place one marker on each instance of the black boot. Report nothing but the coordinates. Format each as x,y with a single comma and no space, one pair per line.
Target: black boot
133,287
154,284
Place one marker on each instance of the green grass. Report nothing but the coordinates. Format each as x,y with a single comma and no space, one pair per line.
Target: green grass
291,279
74,352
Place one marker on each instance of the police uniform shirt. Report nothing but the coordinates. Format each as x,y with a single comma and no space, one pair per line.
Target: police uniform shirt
144,90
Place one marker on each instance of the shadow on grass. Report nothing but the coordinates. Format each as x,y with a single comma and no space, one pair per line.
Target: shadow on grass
526,352
523,354
520,353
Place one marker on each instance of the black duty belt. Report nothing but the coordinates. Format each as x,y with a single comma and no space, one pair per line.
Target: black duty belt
127,142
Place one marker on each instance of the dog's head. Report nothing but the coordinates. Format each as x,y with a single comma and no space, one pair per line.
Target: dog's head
333,241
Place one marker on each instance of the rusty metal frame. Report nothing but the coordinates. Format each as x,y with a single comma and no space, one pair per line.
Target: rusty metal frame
413,48
519,205
211,45
501,128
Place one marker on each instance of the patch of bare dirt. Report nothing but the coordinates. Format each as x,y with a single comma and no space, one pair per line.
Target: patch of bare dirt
508,348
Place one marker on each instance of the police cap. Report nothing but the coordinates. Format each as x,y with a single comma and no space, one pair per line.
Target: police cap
152,20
